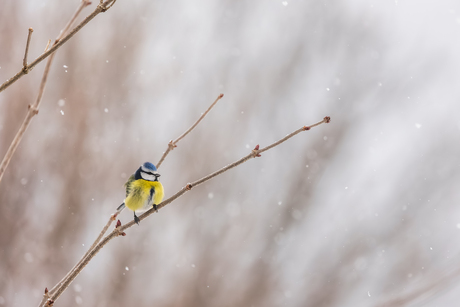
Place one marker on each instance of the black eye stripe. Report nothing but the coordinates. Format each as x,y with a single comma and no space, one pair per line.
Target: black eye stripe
149,173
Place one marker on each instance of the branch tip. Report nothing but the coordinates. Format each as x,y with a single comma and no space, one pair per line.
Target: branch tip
327,119
118,224
25,69
172,143
46,291
104,6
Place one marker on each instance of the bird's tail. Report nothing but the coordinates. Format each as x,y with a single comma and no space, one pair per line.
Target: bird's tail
121,207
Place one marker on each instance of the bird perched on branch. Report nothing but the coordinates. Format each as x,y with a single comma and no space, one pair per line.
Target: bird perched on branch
143,190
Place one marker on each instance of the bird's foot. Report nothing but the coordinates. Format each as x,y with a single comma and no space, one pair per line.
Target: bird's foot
155,207
136,219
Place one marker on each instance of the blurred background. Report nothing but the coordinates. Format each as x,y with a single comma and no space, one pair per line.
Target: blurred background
363,211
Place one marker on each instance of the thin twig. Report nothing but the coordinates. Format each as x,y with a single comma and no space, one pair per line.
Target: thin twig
47,45
84,3
24,62
33,109
120,230
104,230
173,144
98,239
199,119
46,296
104,6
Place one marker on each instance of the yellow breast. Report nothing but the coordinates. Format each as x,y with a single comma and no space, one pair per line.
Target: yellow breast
139,196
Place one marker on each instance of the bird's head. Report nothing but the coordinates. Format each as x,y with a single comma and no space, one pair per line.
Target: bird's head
148,172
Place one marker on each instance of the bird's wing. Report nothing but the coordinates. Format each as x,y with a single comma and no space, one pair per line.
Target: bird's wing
128,185
152,192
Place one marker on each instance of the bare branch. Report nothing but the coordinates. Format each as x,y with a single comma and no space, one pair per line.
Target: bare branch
199,119
119,230
104,6
33,109
47,45
327,119
24,62
173,144
45,298
98,239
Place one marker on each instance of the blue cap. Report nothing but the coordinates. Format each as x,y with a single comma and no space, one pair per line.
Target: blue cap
149,166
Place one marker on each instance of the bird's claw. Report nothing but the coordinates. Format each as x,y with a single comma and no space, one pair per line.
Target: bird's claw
136,219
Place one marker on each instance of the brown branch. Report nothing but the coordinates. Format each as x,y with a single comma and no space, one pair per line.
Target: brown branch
61,287
98,239
24,62
172,144
47,45
47,294
45,298
102,7
33,109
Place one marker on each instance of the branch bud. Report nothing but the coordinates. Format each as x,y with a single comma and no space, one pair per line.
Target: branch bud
327,119
171,145
34,109
255,151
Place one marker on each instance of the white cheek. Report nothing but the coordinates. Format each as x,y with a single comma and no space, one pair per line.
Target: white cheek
148,177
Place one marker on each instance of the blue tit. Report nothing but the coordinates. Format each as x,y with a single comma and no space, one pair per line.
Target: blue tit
143,190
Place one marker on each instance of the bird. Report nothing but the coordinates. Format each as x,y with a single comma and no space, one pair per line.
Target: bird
143,190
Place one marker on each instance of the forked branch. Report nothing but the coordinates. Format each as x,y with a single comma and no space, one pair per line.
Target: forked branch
102,7
33,109
173,144
119,230
24,62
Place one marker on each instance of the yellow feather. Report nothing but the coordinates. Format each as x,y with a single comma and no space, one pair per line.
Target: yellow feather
139,193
